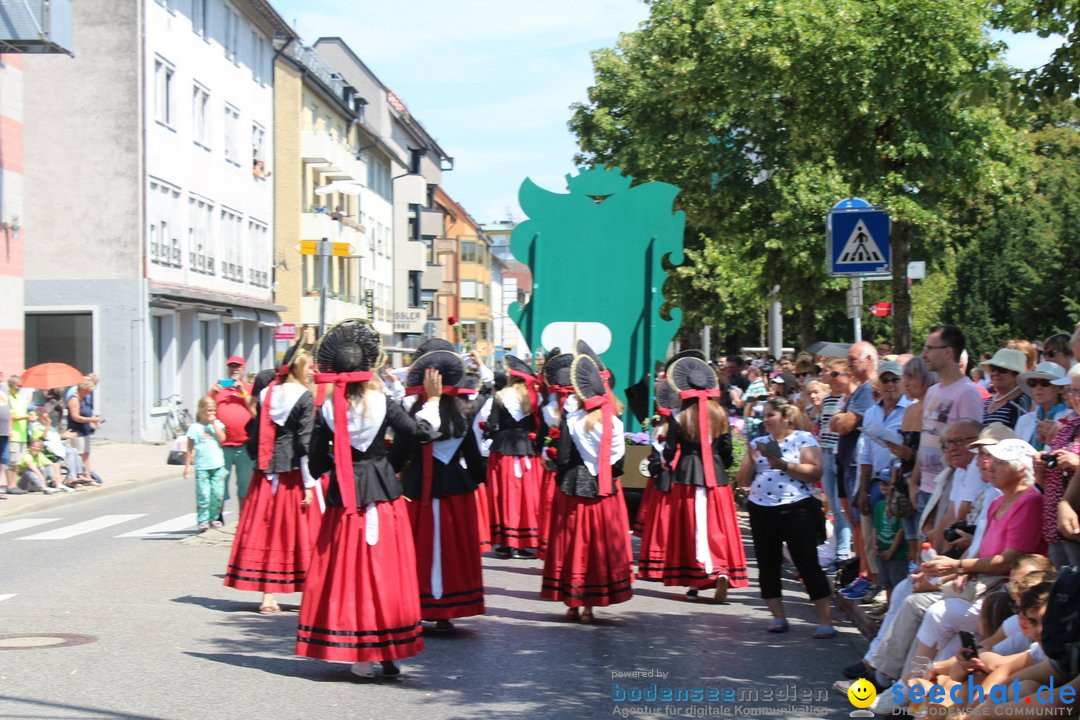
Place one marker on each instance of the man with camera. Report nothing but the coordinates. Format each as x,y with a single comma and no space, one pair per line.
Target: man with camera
235,408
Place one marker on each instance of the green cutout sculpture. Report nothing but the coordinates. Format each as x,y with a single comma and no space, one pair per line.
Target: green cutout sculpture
596,256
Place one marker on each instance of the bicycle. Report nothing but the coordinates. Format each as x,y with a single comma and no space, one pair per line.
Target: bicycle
177,417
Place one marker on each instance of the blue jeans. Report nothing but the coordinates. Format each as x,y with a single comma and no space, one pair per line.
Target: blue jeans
841,529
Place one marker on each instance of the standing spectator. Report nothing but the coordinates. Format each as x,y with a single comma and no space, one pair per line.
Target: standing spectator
753,402
1055,481
889,535
917,380
19,427
982,383
83,422
1057,349
1027,349
205,437
838,376
1040,425
5,439
733,367
814,393
235,409
1009,401
953,397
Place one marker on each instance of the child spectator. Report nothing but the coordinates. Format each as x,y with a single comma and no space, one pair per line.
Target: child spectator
205,436
36,472
43,428
892,550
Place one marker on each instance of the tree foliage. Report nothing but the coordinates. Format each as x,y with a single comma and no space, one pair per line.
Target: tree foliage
766,112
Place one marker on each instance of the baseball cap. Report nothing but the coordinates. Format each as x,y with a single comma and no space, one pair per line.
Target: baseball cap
236,360
992,434
1011,450
892,367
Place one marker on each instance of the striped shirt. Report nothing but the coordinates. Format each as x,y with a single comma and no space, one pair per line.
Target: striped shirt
831,405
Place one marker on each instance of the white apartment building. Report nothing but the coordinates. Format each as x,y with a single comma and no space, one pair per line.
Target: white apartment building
153,247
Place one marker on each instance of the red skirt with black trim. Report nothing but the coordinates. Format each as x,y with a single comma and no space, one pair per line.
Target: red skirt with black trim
648,499
361,602
483,517
668,542
274,538
514,494
589,558
460,572
547,497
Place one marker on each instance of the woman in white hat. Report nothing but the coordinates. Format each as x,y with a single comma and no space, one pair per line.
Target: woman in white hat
1059,517
1049,404
1009,400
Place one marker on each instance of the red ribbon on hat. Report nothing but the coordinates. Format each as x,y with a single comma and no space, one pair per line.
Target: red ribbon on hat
704,429
343,465
606,403
534,388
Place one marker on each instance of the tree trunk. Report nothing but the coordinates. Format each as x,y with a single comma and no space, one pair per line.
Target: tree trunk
807,326
900,243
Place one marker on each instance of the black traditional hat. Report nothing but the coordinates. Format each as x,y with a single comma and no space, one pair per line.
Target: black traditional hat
666,396
449,364
557,369
691,373
585,377
290,355
353,345
514,365
693,352
432,344
262,379
470,381
584,349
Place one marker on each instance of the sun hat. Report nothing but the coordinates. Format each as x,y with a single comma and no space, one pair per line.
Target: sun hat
1074,371
1043,371
1007,359
1013,450
992,434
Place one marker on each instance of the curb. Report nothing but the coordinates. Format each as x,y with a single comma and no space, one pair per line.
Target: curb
867,626
40,502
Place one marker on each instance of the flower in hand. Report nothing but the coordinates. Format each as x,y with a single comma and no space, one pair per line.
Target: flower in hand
554,433
552,453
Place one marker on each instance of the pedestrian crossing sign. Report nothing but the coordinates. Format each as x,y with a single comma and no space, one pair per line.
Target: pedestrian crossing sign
858,241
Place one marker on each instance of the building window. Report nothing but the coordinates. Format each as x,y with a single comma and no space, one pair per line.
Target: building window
431,196
200,235
379,177
414,288
258,58
232,35
468,252
258,142
414,221
259,245
232,121
164,230
429,250
200,116
164,105
60,337
158,340
206,368
232,265
199,17
415,156
468,290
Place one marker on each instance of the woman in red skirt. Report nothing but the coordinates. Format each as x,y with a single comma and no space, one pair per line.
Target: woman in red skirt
658,485
272,547
361,601
557,387
692,537
588,561
514,469
440,481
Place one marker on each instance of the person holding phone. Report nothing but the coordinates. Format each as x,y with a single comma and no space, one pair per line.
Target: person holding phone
780,467
235,409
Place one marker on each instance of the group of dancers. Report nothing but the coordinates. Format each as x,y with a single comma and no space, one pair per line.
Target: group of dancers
378,510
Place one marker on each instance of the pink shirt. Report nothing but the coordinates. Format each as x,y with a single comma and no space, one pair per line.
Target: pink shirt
1019,529
941,406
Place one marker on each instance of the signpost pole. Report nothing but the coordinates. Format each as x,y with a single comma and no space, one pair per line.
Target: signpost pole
856,305
324,272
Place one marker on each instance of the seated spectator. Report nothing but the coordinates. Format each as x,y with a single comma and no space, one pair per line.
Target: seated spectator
1009,401
1039,426
57,450
1057,349
37,473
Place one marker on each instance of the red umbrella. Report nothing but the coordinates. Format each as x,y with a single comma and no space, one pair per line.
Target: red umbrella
52,375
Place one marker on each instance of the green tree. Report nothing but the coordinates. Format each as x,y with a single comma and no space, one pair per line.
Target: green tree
766,112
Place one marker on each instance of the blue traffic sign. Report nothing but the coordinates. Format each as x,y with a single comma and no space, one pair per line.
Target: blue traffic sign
858,239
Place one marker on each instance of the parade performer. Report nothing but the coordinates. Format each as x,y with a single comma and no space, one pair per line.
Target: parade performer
272,547
659,483
692,535
483,404
588,561
514,467
557,388
361,601
440,480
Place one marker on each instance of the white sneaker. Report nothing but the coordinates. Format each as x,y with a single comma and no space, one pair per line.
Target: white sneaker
66,488
50,490
884,704
363,669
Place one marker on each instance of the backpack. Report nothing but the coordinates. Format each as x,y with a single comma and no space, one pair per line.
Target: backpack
1061,625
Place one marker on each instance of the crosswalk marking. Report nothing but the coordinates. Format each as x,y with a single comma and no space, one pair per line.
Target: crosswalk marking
7,597
169,527
87,526
23,524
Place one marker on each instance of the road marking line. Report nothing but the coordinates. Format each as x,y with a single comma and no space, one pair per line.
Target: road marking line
82,528
7,597
15,525
169,527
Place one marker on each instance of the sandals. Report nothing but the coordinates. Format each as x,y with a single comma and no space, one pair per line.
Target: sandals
443,626
586,616
573,613
269,609
777,626
824,632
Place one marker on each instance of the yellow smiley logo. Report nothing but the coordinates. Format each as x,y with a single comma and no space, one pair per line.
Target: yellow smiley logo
862,693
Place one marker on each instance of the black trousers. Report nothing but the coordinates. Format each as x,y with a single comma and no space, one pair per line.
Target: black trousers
797,525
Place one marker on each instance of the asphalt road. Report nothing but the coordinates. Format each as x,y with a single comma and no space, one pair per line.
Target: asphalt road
163,639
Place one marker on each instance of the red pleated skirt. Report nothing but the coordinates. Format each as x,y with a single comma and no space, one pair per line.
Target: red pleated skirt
547,497
483,517
515,501
648,498
462,575
589,558
668,549
274,539
361,602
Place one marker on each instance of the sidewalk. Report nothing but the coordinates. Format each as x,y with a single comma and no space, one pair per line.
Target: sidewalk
120,465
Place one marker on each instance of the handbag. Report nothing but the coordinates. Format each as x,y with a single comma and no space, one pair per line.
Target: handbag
176,455
899,504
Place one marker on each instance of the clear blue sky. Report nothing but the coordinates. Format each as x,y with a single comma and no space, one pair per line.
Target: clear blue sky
492,80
